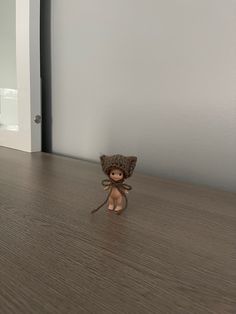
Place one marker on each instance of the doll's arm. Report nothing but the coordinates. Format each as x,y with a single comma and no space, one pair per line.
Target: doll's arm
125,190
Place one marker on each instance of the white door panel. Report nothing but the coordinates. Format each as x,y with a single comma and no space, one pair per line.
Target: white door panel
20,104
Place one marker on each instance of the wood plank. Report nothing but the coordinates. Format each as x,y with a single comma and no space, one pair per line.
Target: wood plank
172,251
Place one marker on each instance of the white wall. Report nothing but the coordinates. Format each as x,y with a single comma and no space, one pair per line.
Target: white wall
153,78
7,44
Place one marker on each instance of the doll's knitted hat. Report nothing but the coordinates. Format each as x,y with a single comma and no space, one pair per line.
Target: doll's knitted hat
125,164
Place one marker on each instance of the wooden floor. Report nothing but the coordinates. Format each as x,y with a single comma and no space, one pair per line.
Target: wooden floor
172,251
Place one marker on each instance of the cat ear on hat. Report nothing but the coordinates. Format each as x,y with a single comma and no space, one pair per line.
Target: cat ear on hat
102,159
132,162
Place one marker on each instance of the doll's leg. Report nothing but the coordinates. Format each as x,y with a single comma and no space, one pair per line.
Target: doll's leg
111,203
119,204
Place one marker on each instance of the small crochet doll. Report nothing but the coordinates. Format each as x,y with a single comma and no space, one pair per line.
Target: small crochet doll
117,168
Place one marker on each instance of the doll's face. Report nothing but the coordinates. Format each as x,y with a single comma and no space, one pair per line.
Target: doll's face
116,174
